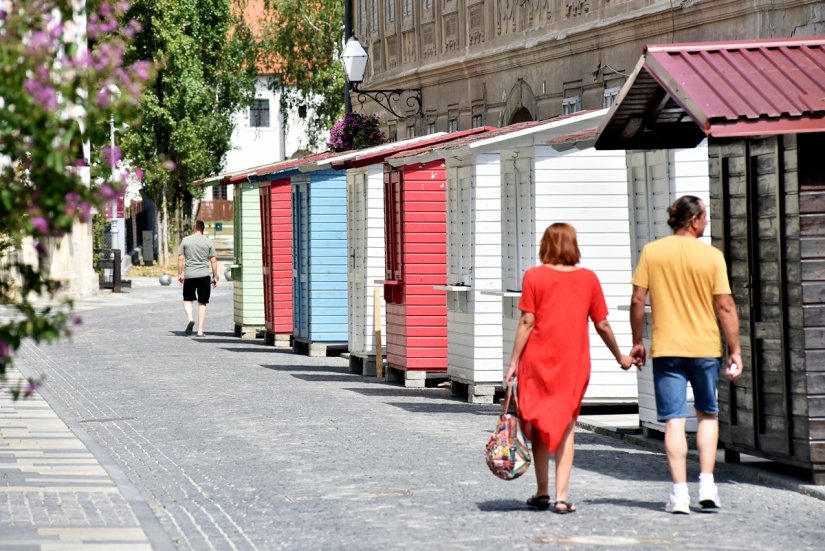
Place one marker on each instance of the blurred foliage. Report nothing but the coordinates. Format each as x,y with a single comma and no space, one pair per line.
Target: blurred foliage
60,84
304,41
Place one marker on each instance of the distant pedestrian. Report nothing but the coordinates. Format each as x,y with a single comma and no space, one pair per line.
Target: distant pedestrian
197,253
551,357
686,279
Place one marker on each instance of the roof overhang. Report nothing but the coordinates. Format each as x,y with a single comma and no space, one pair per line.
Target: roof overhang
678,94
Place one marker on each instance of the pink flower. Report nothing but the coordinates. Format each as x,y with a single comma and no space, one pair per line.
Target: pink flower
4,350
40,224
108,192
111,156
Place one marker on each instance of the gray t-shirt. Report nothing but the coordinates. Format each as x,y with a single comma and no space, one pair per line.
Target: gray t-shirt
197,250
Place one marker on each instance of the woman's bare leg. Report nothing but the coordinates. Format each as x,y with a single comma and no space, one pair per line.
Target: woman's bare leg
564,462
541,464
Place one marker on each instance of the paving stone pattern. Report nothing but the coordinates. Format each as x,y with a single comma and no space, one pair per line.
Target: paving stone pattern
54,494
236,445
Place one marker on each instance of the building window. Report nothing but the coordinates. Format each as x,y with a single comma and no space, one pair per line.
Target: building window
259,113
610,95
431,127
219,191
407,7
428,4
362,17
390,11
410,131
392,133
452,125
478,120
571,105
373,16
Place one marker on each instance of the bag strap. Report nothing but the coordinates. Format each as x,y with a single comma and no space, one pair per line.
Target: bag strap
510,393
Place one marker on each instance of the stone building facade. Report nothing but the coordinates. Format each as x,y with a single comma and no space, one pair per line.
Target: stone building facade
496,62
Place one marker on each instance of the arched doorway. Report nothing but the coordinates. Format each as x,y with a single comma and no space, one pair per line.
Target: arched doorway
520,115
520,105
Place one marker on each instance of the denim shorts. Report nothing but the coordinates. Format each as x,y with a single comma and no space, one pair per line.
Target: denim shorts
671,376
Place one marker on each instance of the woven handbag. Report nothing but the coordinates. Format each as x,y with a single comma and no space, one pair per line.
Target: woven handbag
507,453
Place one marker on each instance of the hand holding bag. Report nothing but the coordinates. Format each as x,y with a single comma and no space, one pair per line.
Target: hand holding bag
507,453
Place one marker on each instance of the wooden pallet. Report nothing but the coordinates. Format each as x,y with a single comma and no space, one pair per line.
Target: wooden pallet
363,364
480,393
414,379
278,340
318,349
248,332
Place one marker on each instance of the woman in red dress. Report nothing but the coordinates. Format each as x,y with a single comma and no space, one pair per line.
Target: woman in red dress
551,356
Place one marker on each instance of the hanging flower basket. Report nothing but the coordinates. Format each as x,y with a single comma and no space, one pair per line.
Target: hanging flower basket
355,131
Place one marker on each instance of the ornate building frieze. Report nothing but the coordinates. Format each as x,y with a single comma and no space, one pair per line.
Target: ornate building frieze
575,8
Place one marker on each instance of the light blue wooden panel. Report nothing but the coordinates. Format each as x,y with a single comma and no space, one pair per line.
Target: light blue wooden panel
320,249
328,312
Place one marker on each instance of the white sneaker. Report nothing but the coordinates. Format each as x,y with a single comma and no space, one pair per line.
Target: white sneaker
678,505
709,496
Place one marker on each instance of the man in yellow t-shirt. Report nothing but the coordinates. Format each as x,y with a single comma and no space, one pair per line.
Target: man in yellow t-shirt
688,285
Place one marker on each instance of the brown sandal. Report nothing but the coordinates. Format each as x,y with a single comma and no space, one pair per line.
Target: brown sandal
542,503
566,507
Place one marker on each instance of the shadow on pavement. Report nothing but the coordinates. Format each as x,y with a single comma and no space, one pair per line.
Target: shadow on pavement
257,349
454,407
437,393
657,506
343,378
314,368
503,505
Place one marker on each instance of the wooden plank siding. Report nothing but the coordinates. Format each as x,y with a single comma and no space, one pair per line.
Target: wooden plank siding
768,411
417,260
588,189
474,334
656,178
248,289
320,277
276,228
365,244
812,276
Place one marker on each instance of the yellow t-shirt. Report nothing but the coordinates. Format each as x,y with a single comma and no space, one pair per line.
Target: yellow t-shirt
682,274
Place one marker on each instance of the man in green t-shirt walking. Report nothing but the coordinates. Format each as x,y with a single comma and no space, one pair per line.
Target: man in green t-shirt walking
197,253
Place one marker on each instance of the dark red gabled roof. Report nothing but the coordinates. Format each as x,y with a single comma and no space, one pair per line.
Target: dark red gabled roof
489,134
379,156
680,93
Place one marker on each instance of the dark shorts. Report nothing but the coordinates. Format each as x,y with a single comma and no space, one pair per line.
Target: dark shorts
197,288
671,376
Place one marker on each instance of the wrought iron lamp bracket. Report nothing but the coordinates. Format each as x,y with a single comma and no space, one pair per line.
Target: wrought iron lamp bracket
386,98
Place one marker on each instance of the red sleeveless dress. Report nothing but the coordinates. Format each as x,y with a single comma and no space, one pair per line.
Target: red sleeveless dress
554,368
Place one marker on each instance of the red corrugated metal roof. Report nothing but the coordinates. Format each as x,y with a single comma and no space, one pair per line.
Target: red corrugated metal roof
379,156
730,89
573,137
490,133
292,163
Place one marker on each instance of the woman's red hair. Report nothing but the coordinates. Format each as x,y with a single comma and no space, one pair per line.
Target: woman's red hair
559,245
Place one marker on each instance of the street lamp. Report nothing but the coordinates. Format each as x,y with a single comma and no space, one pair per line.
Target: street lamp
355,59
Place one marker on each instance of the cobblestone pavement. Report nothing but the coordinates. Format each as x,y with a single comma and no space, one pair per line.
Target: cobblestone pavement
236,445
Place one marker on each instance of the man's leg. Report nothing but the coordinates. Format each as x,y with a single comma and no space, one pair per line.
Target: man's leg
670,381
704,377
676,449
707,439
201,317
187,307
